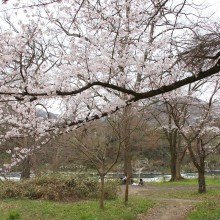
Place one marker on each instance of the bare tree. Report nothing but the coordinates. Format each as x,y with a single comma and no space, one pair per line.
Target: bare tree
99,147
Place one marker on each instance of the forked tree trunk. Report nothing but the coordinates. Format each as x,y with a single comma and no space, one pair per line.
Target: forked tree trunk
175,166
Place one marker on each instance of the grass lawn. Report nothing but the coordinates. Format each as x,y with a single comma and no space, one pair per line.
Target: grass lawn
215,180
13,209
188,189
208,210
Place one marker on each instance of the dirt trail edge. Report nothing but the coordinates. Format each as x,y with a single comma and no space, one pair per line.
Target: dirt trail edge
175,209
166,208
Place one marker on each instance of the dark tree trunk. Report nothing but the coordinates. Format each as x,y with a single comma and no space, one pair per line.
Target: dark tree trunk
127,171
128,163
175,165
175,162
126,191
201,177
199,164
201,181
102,191
178,172
126,132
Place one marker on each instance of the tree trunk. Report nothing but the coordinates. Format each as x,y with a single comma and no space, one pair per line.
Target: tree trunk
102,191
26,164
201,178
173,154
175,162
26,168
33,162
180,156
126,191
127,171
126,136
178,172
127,163
201,181
199,165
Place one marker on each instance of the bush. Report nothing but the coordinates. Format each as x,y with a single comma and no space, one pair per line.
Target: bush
57,188
111,189
9,189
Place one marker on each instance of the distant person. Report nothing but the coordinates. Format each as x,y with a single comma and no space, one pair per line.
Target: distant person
141,182
124,179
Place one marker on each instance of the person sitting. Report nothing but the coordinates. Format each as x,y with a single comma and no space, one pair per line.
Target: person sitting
141,182
124,179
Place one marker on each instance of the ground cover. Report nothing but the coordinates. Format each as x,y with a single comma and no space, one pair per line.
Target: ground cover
24,209
153,201
180,200
207,210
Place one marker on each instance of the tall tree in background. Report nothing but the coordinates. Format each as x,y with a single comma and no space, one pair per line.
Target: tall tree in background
200,131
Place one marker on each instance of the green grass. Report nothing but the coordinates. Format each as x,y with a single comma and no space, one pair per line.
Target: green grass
208,210
189,194
23,209
186,189
215,180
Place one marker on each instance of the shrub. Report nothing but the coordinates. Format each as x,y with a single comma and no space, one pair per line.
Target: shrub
57,188
9,189
111,189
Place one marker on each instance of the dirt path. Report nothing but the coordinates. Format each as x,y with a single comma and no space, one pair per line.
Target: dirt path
166,208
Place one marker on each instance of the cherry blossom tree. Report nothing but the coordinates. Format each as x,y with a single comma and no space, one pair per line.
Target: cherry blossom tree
164,110
69,53
162,115
200,130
